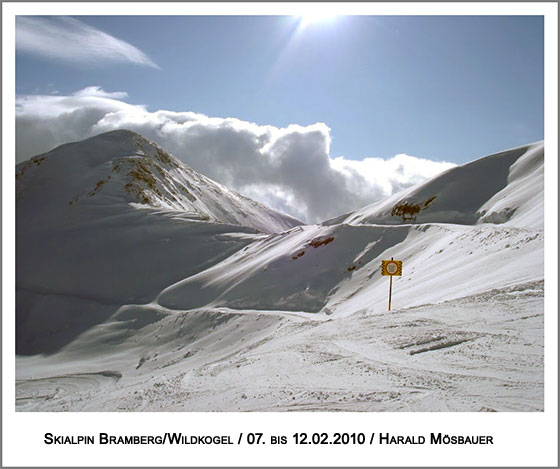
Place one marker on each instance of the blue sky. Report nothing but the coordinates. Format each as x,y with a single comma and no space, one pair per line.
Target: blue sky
315,117
443,88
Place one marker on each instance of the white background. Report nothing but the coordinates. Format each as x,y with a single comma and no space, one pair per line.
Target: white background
520,439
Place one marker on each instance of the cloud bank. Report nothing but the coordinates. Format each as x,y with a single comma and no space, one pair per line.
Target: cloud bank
289,169
70,40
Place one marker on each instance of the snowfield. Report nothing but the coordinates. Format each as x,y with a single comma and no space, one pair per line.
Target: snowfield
144,286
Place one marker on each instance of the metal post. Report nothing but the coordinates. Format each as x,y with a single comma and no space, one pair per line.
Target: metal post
390,290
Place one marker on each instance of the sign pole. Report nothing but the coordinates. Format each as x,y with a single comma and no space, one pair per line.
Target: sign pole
390,290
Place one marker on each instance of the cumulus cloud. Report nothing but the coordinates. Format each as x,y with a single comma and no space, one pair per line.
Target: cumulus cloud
45,121
289,168
71,40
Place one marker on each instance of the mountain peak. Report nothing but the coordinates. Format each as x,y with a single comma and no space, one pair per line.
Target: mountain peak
119,134
122,167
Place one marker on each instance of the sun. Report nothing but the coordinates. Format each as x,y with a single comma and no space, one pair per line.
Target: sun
312,18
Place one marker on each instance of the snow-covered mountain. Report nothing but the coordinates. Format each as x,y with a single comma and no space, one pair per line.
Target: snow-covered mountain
506,187
132,288
336,267
113,220
122,167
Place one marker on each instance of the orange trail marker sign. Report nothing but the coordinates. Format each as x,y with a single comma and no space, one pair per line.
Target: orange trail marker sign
391,268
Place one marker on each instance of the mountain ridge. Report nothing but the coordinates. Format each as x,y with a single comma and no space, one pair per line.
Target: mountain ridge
124,167
449,197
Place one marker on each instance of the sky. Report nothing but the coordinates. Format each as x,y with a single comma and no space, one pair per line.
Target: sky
366,104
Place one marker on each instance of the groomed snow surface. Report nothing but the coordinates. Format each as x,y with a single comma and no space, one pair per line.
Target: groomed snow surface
160,290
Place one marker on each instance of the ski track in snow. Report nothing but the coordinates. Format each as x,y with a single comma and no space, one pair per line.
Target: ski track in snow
467,354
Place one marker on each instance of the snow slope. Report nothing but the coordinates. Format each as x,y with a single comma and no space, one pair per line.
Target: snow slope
336,267
506,187
113,220
206,316
344,275
480,353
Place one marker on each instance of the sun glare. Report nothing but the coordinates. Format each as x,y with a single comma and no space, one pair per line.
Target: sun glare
312,18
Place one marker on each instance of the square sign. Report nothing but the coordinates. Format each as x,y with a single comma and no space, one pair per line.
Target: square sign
391,267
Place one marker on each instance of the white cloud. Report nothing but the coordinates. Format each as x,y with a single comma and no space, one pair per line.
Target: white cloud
70,40
98,92
289,169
